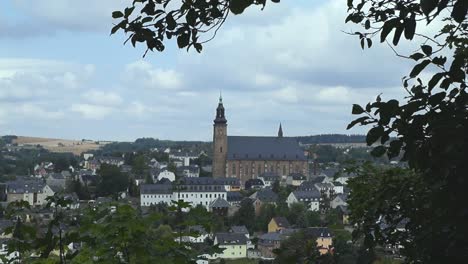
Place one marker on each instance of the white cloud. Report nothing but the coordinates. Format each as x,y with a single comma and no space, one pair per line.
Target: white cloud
88,111
144,74
103,98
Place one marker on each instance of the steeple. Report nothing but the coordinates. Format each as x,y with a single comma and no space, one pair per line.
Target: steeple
280,131
220,118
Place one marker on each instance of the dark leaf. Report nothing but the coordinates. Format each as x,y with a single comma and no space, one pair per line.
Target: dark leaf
427,49
362,43
357,121
428,5
369,43
238,6
183,40
374,134
387,28
397,35
117,14
410,28
146,20
367,24
128,11
417,56
435,80
191,17
436,98
378,151
419,67
357,109
171,23
460,10
439,60
198,47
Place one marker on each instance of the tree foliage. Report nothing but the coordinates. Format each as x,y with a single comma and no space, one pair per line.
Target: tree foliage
186,21
112,180
431,129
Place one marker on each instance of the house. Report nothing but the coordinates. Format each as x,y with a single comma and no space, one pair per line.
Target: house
188,171
295,179
255,184
198,234
234,245
240,230
56,181
32,190
269,178
311,199
338,187
339,200
325,188
263,196
196,191
323,237
277,224
219,207
234,198
183,156
272,240
344,213
165,173
152,194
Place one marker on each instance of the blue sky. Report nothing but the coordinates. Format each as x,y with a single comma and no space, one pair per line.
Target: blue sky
63,76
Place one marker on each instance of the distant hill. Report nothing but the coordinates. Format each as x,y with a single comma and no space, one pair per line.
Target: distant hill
332,139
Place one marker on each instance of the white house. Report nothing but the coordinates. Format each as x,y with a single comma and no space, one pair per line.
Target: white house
196,191
269,178
338,187
310,198
295,179
166,174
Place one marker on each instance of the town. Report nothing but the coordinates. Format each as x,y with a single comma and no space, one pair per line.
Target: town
255,194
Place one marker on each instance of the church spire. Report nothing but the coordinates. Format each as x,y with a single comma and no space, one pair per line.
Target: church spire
280,131
220,117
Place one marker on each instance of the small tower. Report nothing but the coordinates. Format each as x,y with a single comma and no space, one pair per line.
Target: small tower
280,131
219,141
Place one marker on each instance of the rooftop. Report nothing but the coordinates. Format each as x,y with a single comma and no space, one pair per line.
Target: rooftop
264,148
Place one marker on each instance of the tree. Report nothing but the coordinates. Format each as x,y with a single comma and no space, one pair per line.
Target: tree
112,180
430,130
188,22
245,214
297,249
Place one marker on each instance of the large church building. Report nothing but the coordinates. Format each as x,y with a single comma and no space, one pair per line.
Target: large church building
248,157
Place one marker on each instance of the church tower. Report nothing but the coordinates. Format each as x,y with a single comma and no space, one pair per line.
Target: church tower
219,142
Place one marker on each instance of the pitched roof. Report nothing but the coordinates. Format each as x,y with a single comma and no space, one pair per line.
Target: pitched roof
264,148
25,185
297,176
234,196
312,194
318,232
219,203
307,186
231,239
269,176
156,189
239,229
265,195
281,221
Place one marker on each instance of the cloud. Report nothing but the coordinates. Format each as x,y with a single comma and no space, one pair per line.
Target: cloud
89,111
102,97
144,74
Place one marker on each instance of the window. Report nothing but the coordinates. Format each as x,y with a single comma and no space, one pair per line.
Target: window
221,149
233,169
284,169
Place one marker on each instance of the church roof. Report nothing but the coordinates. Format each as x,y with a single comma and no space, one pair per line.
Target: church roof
264,148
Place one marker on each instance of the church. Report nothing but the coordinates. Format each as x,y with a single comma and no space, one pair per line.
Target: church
248,157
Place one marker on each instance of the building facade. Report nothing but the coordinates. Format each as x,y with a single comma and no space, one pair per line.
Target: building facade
248,157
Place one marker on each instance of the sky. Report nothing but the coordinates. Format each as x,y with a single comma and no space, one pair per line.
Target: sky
63,76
